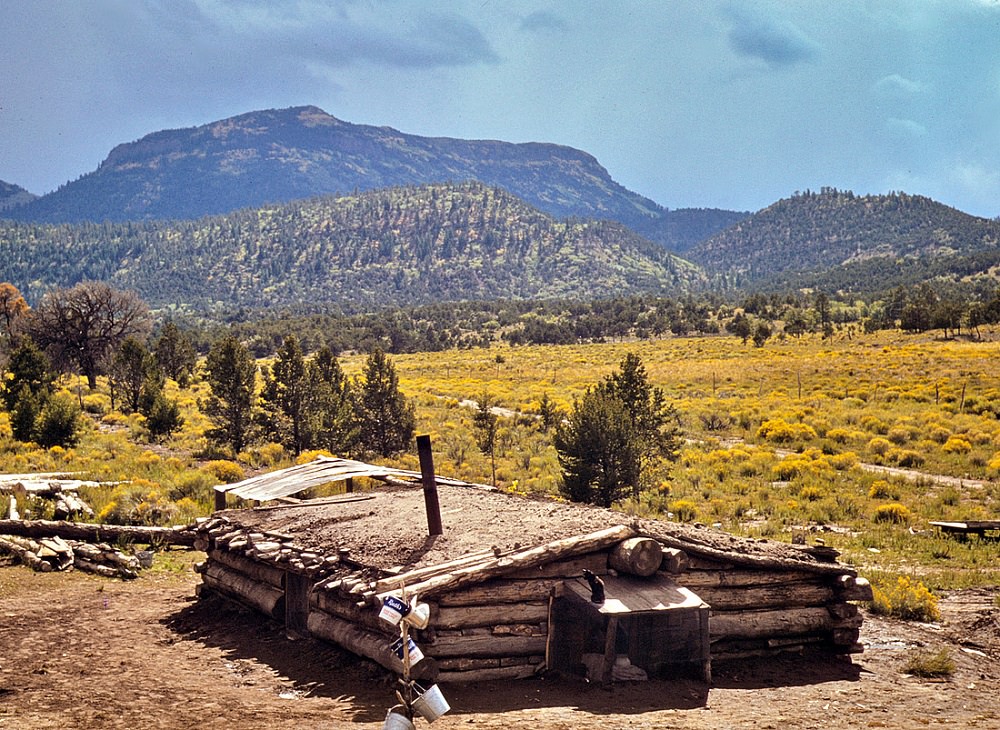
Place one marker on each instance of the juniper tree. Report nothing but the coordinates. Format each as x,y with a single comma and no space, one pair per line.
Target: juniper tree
286,396
486,425
175,354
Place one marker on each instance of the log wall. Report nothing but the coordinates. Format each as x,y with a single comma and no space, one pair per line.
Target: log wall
490,615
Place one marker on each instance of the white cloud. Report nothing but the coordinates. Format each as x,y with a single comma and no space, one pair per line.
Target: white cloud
895,84
905,128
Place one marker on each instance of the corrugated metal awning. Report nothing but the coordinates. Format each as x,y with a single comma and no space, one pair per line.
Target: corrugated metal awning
294,479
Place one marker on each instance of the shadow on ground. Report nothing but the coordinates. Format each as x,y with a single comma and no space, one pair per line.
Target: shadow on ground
317,668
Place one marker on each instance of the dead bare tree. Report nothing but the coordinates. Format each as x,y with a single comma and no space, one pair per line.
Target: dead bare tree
80,327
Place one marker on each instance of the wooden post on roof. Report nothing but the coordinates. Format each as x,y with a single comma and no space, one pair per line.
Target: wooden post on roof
431,503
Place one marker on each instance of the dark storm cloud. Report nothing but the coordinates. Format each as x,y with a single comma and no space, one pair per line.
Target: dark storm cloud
777,43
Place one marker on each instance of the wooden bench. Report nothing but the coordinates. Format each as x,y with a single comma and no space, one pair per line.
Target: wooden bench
981,528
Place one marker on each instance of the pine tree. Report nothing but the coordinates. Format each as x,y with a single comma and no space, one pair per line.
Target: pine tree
332,422
386,418
617,437
231,373
287,396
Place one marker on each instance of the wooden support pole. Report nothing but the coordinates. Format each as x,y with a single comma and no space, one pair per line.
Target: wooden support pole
431,503
220,500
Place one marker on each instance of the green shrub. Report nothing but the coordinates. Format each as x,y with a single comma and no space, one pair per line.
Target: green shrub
881,489
879,446
164,416
930,664
196,485
779,431
956,445
59,422
306,456
812,493
904,598
137,503
906,458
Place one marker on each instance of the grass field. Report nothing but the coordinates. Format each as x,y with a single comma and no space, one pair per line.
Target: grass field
776,438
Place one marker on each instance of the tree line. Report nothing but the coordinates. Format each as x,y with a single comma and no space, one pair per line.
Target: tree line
95,330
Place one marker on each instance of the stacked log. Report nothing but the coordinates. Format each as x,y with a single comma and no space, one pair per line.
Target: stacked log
102,559
49,554
489,612
757,610
90,532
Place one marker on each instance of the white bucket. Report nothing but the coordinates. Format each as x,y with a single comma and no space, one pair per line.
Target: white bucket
431,704
393,609
396,719
396,648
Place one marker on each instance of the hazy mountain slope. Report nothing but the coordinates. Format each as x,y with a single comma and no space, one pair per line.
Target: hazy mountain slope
12,196
395,246
279,155
831,232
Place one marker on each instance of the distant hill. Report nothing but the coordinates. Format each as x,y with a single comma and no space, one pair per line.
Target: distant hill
275,156
837,240
396,246
12,196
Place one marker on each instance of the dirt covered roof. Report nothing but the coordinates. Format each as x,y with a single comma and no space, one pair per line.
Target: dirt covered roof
387,528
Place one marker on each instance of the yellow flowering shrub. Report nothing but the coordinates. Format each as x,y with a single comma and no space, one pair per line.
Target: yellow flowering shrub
905,598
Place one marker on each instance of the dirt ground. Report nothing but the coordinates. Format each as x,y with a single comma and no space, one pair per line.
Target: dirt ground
78,651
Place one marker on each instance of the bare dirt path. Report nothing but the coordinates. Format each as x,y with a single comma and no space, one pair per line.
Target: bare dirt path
78,651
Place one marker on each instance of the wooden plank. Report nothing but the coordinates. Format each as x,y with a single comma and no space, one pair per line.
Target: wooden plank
419,574
610,649
452,617
778,596
767,624
508,564
624,594
500,590
597,563
297,589
484,645
696,579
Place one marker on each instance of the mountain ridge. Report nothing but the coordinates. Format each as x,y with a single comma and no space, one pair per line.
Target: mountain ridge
278,155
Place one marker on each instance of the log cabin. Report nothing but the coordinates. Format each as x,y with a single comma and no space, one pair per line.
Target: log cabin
517,586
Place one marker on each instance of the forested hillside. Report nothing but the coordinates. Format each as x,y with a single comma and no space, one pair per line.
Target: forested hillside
371,250
836,239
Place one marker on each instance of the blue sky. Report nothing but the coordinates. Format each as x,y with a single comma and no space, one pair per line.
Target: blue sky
693,103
